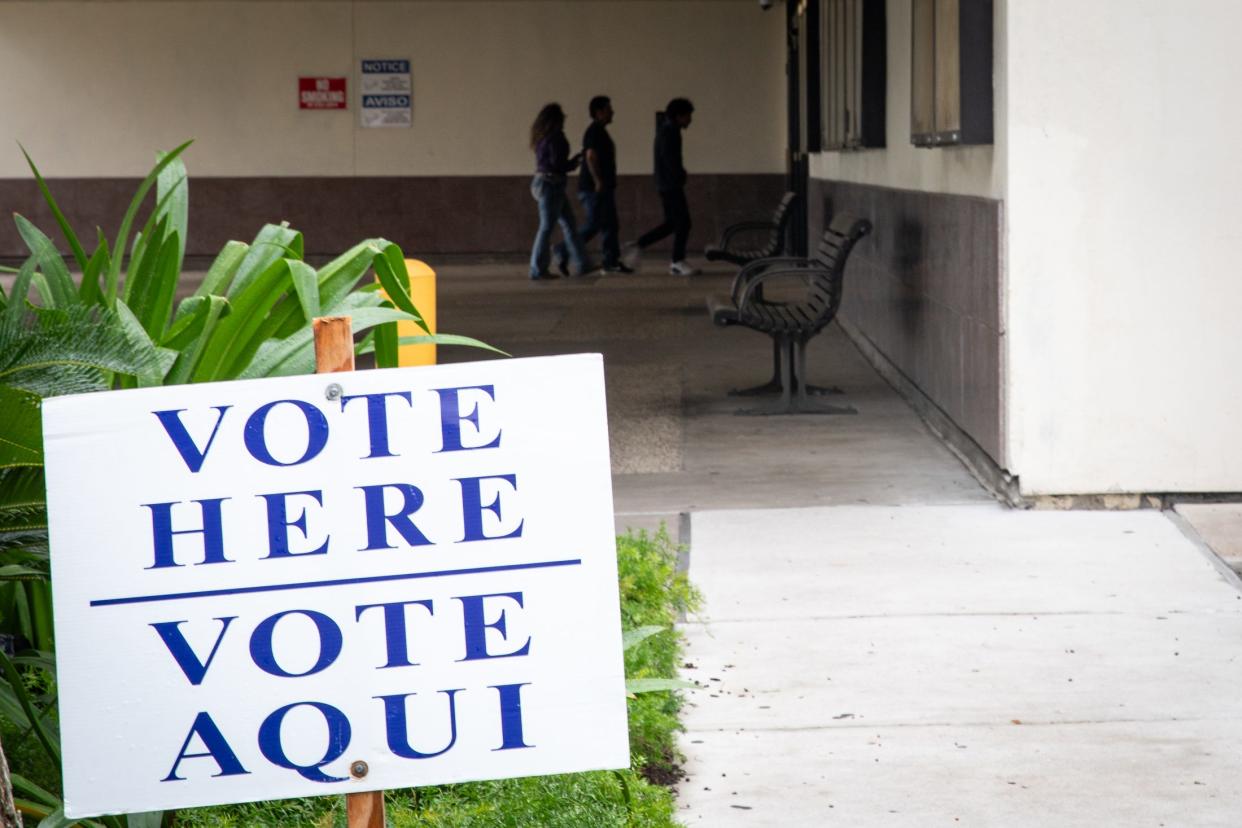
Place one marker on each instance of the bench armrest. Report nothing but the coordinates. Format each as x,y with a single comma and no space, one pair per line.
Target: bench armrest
752,270
742,227
752,291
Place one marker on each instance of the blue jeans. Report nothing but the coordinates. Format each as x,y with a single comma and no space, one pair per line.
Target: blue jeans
600,211
553,209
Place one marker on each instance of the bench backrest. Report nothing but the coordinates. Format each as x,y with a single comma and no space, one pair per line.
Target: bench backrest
780,225
832,254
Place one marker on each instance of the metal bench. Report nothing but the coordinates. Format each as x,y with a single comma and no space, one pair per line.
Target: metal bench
802,298
731,249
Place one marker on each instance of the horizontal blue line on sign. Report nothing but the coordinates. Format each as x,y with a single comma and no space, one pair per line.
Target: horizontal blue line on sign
443,573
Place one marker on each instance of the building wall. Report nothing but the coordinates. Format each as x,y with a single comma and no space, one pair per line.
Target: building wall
925,288
1124,239
93,89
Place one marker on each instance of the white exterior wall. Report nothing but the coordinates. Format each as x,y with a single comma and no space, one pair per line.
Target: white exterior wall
94,88
1125,236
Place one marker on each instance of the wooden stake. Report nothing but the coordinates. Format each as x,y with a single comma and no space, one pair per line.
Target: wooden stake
334,351
365,810
334,344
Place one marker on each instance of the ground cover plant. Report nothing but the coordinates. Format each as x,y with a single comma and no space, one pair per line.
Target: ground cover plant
120,326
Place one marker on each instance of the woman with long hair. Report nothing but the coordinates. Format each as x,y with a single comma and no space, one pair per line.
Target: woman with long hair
552,166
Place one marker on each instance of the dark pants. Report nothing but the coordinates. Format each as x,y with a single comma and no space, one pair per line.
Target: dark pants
600,220
676,222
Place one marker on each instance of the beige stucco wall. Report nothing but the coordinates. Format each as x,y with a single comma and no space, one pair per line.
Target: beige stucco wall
974,171
94,88
1125,228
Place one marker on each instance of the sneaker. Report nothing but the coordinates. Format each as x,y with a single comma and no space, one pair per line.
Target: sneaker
631,253
619,267
562,264
681,268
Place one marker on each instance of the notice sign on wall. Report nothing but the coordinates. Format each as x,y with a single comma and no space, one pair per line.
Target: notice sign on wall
387,93
322,93
262,585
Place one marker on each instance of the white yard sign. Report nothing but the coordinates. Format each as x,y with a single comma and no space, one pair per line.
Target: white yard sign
260,584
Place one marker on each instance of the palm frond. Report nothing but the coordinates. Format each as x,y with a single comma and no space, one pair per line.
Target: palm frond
48,352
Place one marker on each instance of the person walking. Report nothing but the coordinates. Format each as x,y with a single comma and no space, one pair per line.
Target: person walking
552,166
670,179
597,188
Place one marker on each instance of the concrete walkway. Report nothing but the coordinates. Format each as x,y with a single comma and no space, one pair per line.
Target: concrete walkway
942,665
883,644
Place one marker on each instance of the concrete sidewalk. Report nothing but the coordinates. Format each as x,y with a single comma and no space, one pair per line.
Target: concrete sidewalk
899,650
960,665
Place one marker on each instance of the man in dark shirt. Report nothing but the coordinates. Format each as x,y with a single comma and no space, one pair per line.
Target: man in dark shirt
670,179
597,187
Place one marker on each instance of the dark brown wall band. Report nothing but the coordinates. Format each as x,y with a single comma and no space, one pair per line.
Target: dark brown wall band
449,214
924,289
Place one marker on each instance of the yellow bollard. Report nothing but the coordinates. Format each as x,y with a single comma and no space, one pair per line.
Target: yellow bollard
423,292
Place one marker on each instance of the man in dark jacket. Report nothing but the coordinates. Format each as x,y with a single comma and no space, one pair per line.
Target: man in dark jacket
670,179
597,188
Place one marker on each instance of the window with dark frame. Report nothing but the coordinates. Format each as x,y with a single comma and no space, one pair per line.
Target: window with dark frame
853,48
951,72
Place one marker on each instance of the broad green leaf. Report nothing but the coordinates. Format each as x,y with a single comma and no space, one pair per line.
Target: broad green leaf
306,284
149,241
220,275
233,343
173,189
167,273
296,354
387,354
17,572
390,268
339,276
98,263
214,309
632,638
650,685
16,308
434,339
30,790
58,351
78,252
127,222
61,291
187,322
273,242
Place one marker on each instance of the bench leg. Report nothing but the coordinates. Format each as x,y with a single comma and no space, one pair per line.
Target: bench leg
774,385
792,363
802,403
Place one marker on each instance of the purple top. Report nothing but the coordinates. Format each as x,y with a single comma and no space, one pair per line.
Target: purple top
552,155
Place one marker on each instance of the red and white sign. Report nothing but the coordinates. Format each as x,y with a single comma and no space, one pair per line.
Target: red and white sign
321,93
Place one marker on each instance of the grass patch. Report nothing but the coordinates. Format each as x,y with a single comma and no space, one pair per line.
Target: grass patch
652,592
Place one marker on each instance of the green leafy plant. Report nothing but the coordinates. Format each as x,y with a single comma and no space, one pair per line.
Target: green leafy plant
121,326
